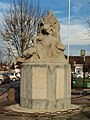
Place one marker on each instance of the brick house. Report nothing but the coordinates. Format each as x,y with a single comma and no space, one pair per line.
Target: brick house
78,61
3,67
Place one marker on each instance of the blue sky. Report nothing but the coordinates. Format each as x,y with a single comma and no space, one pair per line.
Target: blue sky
80,9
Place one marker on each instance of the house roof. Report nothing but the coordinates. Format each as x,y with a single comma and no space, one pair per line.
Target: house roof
2,66
79,60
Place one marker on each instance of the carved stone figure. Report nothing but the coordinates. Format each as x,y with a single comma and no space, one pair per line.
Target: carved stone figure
45,73
47,45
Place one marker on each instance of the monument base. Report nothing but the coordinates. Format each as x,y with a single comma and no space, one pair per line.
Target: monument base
45,86
17,108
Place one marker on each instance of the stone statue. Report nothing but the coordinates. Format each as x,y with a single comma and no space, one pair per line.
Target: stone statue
47,45
45,73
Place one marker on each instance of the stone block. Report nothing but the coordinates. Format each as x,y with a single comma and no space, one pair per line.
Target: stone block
45,86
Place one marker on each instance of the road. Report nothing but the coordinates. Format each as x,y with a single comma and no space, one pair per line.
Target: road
5,87
11,84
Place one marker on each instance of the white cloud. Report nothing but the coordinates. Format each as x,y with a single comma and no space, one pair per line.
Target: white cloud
80,7
4,6
77,6
77,31
1,16
77,35
63,20
58,12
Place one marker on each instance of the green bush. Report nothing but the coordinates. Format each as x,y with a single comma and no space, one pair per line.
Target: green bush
79,82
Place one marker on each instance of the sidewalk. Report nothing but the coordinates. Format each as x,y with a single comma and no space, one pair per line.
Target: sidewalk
80,92
80,96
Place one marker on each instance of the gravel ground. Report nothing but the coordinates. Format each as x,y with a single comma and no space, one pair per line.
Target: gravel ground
74,116
84,114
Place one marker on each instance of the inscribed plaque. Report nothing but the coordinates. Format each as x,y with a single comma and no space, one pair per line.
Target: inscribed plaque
59,83
39,83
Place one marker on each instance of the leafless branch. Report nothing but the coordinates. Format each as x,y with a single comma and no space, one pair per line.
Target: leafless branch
20,25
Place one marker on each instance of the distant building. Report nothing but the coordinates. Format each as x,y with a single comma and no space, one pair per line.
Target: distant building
78,61
3,67
75,61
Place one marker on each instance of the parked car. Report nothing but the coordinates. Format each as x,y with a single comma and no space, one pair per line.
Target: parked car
1,78
13,76
18,75
79,76
88,75
76,75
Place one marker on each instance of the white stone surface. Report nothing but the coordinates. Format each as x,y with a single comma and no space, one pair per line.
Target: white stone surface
60,83
45,86
17,108
39,83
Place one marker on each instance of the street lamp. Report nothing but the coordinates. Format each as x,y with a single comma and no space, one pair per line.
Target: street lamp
74,66
82,53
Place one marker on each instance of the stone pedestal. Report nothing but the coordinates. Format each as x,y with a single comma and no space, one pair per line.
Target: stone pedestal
45,86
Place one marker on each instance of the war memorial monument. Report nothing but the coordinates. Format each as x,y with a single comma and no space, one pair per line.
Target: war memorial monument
45,73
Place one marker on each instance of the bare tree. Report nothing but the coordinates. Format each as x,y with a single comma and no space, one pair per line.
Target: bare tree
20,24
88,22
0,56
88,25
